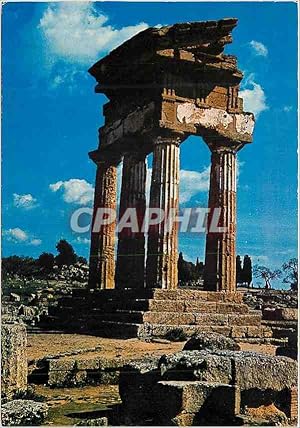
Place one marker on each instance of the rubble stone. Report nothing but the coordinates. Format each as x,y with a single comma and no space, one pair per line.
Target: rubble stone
212,341
23,412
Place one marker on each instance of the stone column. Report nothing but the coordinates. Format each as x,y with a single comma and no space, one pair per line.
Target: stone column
162,250
130,267
102,252
220,258
13,359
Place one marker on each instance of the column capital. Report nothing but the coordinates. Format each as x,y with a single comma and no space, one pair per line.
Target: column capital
107,158
223,145
167,139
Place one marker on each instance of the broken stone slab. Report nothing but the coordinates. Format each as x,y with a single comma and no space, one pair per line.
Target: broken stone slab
196,365
23,412
136,384
173,398
213,341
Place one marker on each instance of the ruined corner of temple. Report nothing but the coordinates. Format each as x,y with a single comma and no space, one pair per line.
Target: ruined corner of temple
164,85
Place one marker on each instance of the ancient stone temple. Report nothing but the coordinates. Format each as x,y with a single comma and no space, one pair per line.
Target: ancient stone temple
164,85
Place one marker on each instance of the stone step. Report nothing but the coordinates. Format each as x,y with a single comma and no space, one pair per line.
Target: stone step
171,305
159,294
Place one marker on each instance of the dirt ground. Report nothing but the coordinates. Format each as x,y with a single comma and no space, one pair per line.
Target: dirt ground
42,345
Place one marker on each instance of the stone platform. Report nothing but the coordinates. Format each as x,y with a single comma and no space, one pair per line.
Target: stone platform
155,312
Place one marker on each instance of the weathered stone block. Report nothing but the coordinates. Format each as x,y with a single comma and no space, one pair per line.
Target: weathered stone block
166,305
211,319
61,365
238,331
88,364
198,306
226,330
23,413
212,341
244,320
227,308
196,365
261,376
171,318
172,398
13,359
136,384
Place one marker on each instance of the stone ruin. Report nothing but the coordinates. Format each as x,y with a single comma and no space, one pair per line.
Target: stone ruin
163,85
208,387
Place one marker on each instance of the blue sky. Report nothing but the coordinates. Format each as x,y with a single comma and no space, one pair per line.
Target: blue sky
51,116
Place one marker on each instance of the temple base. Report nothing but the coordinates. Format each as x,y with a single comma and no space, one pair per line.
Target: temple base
150,313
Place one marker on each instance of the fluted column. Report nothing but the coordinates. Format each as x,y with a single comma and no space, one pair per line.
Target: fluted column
130,266
220,259
162,250
102,251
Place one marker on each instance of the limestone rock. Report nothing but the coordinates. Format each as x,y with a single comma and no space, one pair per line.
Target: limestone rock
266,415
13,359
213,341
173,398
196,365
23,412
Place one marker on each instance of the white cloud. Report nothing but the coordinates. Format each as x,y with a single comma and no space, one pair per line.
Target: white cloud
259,48
255,100
78,33
18,235
287,108
35,242
24,201
75,191
192,183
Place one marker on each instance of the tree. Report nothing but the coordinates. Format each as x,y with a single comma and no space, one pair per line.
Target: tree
238,270
66,254
266,274
23,267
247,270
290,269
46,263
188,271
82,260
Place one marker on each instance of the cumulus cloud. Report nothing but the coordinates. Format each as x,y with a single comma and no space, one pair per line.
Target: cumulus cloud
192,183
75,191
259,48
254,97
35,242
18,235
78,33
26,202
